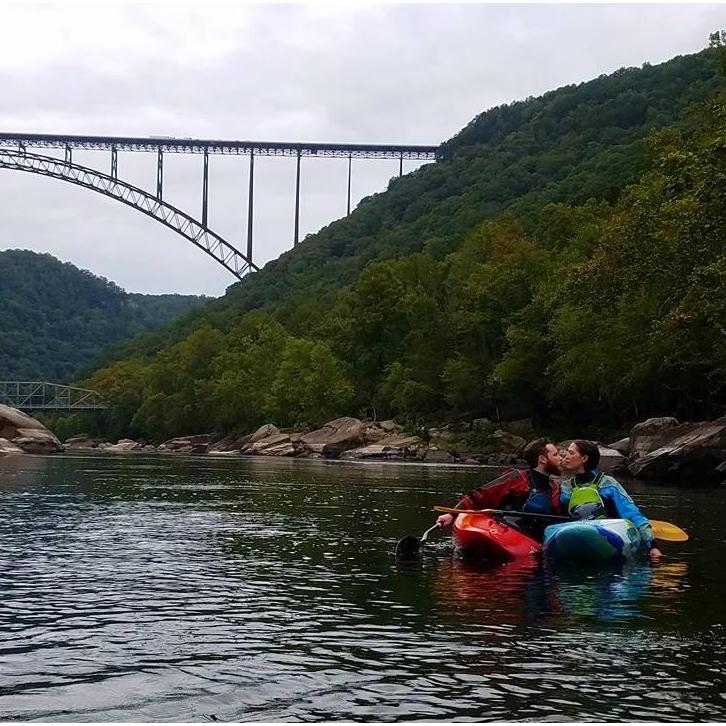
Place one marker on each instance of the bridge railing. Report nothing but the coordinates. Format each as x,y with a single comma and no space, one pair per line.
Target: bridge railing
173,144
45,396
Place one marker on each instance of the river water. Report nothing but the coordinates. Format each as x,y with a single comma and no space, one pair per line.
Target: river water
198,589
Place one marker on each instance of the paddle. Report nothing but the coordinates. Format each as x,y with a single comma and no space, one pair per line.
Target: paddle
408,547
661,530
667,532
506,512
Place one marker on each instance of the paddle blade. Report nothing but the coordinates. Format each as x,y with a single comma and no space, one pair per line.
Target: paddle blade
668,532
408,547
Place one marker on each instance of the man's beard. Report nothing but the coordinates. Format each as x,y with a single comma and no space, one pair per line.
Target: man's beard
551,468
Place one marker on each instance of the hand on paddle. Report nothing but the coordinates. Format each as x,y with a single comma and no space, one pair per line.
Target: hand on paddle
655,554
445,520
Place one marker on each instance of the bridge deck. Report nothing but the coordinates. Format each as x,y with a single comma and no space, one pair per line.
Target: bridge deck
217,146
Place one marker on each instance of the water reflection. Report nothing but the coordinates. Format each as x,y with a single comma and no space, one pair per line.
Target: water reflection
531,589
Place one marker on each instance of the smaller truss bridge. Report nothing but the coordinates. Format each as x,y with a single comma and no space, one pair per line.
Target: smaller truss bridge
44,396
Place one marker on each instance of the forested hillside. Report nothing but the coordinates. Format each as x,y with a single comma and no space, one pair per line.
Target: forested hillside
572,144
55,318
520,275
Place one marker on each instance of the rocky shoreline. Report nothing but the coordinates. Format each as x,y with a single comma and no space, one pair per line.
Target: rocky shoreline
343,439
659,448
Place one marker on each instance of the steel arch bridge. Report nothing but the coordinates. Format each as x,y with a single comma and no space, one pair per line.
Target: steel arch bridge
207,241
44,396
14,155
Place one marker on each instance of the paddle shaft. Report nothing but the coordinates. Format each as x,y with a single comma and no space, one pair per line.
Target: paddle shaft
506,512
426,534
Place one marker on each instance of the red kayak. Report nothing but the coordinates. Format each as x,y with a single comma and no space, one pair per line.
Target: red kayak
492,539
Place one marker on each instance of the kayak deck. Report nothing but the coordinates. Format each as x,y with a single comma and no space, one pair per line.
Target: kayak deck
592,540
492,539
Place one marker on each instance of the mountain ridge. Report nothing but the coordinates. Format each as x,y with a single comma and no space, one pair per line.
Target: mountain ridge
55,318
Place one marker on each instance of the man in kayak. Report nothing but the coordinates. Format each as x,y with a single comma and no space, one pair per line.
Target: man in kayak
591,493
522,490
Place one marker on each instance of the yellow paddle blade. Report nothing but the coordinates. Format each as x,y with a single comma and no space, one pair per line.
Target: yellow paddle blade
668,532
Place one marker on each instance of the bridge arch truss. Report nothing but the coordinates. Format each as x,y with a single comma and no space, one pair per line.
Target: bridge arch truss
153,206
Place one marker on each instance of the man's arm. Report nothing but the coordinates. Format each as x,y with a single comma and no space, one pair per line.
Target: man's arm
491,495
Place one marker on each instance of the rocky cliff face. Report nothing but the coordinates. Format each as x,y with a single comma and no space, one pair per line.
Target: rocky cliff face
689,453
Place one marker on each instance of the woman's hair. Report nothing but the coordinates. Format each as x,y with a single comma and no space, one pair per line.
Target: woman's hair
590,450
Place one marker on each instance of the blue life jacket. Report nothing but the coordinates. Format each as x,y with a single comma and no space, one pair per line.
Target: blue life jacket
539,500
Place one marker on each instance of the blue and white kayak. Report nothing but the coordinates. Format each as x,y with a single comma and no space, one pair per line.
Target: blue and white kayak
592,540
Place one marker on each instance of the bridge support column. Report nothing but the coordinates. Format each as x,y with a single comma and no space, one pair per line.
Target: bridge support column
160,175
350,172
400,166
250,204
297,201
114,162
205,188
69,155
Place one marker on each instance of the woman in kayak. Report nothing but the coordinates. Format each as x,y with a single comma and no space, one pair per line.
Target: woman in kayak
590,493
521,490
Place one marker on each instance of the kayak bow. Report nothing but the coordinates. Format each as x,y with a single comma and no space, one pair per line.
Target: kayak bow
492,539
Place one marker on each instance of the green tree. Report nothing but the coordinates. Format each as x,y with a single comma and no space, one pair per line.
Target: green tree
404,396
311,385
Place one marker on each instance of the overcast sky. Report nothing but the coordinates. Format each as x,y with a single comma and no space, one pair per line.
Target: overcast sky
367,73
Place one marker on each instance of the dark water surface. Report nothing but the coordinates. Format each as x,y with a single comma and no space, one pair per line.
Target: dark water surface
179,589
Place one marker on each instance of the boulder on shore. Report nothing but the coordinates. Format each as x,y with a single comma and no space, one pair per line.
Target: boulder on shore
230,444
274,445
194,444
283,448
392,447
264,432
482,424
374,434
680,452
434,455
621,445
502,459
26,432
522,427
650,435
7,447
82,441
123,445
389,426
335,437
611,460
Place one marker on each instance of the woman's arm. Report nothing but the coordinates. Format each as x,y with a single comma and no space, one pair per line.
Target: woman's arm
628,509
